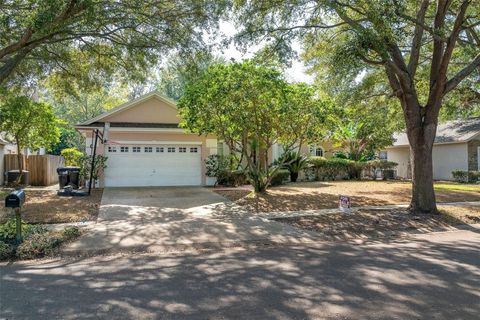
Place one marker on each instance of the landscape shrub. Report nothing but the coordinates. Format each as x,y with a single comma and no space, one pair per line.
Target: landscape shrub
7,251
70,233
234,178
466,176
72,156
39,245
37,240
8,230
215,165
280,177
98,167
219,167
383,165
332,169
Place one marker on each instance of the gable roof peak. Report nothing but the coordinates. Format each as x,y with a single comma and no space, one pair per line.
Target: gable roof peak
131,103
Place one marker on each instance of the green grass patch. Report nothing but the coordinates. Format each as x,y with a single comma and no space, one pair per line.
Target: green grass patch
457,187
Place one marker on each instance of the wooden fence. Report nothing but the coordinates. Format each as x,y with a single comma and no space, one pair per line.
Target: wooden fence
42,169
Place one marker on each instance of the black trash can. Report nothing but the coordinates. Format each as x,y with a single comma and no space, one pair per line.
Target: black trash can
12,177
68,176
74,177
63,179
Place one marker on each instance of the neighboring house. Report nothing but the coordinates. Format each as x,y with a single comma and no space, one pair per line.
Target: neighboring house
456,147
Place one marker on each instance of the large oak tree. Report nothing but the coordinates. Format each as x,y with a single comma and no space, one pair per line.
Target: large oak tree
425,48
88,39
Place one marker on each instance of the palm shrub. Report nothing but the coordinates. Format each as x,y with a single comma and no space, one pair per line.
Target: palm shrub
259,178
294,163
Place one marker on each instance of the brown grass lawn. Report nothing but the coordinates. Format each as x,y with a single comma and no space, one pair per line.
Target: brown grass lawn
464,214
46,207
383,223
324,195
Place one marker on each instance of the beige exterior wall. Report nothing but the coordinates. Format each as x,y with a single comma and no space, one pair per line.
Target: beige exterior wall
328,149
152,110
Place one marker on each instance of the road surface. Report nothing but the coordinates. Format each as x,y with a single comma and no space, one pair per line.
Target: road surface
435,276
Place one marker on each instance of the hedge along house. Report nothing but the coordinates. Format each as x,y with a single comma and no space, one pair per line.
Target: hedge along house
145,146
456,147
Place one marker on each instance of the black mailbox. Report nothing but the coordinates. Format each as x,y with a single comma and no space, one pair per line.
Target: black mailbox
15,199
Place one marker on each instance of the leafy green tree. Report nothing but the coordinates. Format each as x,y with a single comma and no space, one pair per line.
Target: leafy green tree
251,108
427,52
87,40
28,124
361,129
69,138
182,69
81,105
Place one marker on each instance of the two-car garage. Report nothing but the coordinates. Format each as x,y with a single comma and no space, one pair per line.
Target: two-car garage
153,165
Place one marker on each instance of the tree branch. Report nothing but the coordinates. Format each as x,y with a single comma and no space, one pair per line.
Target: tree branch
417,39
437,88
462,74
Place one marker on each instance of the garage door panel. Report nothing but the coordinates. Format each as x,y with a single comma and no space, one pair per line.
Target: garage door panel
153,168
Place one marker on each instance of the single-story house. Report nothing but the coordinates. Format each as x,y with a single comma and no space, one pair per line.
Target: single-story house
456,147
145,146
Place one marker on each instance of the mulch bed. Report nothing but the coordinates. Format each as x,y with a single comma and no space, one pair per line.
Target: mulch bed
44,206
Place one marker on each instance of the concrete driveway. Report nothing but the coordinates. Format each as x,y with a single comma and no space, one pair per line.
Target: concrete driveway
158,218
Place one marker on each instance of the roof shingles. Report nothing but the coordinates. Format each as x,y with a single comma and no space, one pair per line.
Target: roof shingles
448,132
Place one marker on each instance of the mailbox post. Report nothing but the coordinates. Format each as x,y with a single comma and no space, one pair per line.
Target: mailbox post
15,200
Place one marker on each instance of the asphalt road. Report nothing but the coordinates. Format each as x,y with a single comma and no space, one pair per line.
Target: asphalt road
431,277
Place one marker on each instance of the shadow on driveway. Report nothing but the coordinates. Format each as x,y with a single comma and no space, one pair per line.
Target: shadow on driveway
155,218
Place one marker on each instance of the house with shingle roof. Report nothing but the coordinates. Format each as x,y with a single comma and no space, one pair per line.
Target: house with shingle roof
456,147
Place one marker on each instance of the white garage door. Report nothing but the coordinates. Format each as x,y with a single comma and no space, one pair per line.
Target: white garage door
153,165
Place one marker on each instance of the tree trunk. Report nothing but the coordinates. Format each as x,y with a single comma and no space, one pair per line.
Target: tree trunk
18,181
293,176
423,193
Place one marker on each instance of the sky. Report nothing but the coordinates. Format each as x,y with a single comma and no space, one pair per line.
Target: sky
296,73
